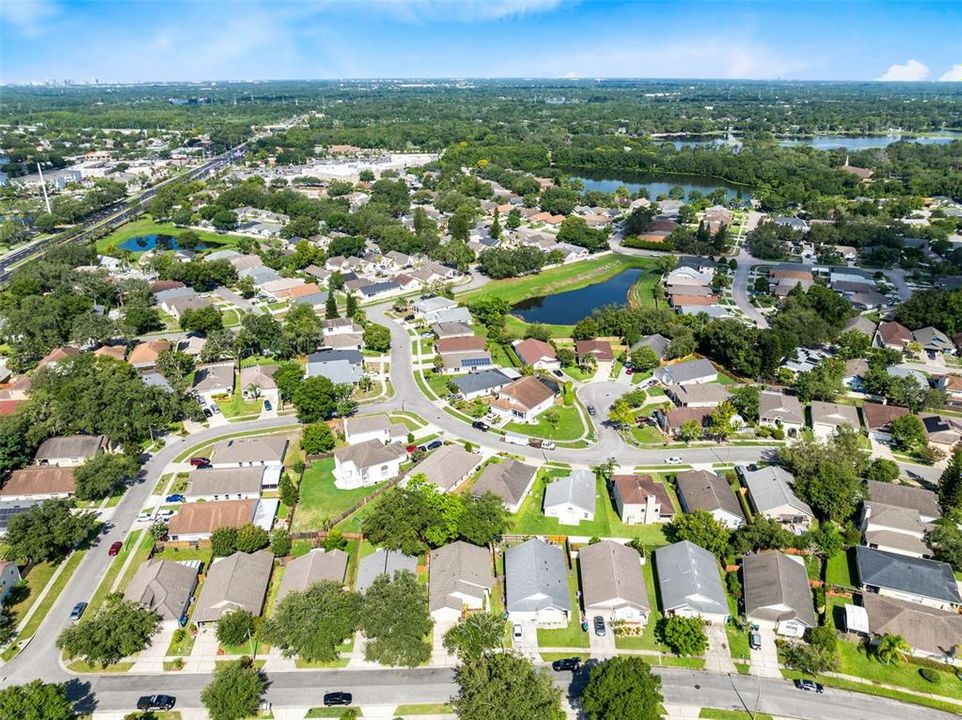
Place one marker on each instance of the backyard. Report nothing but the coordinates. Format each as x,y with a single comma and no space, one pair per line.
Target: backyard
319,500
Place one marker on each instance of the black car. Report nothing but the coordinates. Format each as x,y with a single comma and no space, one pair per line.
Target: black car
809,686
156,702
591,410
599,624
480,425
434,444
337,698
564,664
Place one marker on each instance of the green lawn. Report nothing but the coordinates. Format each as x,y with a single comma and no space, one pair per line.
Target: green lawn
648,435
44,607
146,226
738,643
531,521
133,543
327,712
320,500
840,571
576,373
236,405
423,709
713,714
569,426
647,640
856,661
573,635
642,292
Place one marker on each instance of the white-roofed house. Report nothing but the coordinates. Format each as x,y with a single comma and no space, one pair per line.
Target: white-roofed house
571,498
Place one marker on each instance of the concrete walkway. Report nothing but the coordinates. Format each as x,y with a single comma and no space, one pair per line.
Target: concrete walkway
718,657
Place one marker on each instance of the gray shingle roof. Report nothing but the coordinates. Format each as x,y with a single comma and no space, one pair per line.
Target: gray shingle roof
924,628
458,568
509,480
69,446
382,562
248,450
928,578
773,579
688,577
481,381
226,481
771,487
924,501
578,488
239,581
317,565
446,466
536,577
369,453
164,586
611,571
686,372
704,490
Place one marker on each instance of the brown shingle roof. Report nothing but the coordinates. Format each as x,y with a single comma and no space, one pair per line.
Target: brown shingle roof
532,350
527,392
205,517
894,333
147,352
601,349
922,627
469,343
877,416
704,490
39,480
634,489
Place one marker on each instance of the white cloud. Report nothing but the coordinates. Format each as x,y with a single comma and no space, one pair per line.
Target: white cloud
27,16
459,10
911,71
953,73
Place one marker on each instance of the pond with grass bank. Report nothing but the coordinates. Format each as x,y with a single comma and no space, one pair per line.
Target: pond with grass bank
567,308
866,142
143,243
662,183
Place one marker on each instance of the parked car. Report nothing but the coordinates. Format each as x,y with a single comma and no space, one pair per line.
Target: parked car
809,686
208,413
673,460
755,640
434,444
591,410
156,702
199,461
175,498
77,611
114,549
267,405
167,513
517,632
145,516
558,373
480,425
629,371
566,664
599,624
337,698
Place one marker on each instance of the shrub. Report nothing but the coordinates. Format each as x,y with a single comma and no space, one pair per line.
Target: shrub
235,627
778,434
930,675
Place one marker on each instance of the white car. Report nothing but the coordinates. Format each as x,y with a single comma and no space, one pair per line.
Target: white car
164,514
145,516
517,632
674,460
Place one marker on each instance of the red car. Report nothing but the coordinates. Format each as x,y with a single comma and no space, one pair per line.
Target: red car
199,461
115,548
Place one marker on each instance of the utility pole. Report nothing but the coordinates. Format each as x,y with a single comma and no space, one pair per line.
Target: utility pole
43,186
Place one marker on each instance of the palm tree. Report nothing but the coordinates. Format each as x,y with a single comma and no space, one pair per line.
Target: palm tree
889,648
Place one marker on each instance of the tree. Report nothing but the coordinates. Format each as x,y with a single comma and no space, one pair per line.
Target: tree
48,532
396,620
891,649
288,491
761,533
908,432
303,329
201,320
235,627
945,539
622,688
235,692
700,528
377,338
315,399
811,659
475,635
224,220
853,344
720,422
176,367
482,519
103,474
37,700
280,542
950,484
689,431
621,414
119,629
882,470
745,398
566,356
317,439
823,382
251,538
505,686
330,307
828,475
644,359
288,377
313,623
514,219
684,635
223,541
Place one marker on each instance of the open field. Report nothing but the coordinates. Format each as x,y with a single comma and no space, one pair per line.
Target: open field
146,226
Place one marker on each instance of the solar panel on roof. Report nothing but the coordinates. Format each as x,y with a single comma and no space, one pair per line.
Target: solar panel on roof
475,362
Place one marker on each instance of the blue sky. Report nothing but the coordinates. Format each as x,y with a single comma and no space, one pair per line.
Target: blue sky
144,40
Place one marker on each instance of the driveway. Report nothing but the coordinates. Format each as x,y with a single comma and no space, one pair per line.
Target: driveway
203,656
440,656
718,657
765,660
528,644
601,647
151,659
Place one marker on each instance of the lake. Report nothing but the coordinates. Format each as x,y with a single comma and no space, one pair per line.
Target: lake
865,142
662,183
143,243
567,308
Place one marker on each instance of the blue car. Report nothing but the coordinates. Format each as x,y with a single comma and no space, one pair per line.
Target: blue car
175,499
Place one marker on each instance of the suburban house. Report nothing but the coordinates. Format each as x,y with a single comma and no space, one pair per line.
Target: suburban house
943,431
212,381
706,395
145,354
382,562
917,580
69,450
447,467
451,330
878,419
933,341
925,502
600,350
367,463
571,498
165,587
689,582
690,372
929,632
952,384
523,400
704,490
464,354
777,594
536,584
39,482
612,583
258,381
658,343
9,578
429,308
313,567
892,335
862,324
894,529
233,483
249,451
56,356
672,421
510,480
373,427
238,582
828,417
776,410
537,354
640,500
461,578
338,366
484,382
771,494
196,521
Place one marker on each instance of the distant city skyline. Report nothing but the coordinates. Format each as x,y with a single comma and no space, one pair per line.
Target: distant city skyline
79,40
